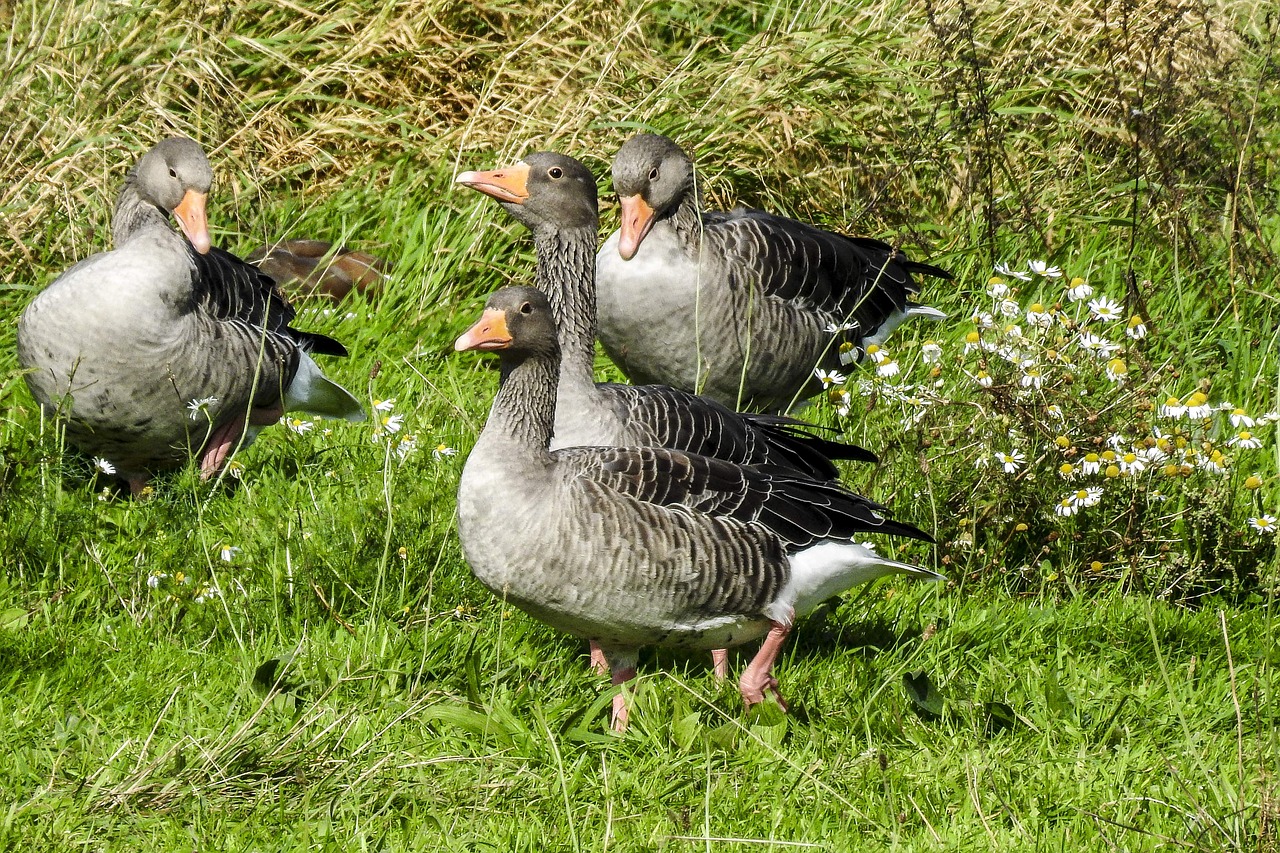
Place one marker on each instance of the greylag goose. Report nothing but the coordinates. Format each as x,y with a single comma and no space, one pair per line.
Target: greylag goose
740,306
167,347
555,197
638,546
307,268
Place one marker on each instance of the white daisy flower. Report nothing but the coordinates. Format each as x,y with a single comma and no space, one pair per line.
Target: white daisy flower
1172,408
930,352
1240,419
1265,523
1078,290
1198,407
441,450
837,328
1136,328
1133,463
1011,461
1032,378
997,289
1092,496
1009,308
384,405
1103,308
983,379
1042,268
297,425
1246,440
1003,269
830,377
1096,345
1091,464
196,407
103,465
1117,370
1067,507
227,552
1055,411
406,445
1038,317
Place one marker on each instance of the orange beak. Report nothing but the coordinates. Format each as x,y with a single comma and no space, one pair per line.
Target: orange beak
637,221
488,334
510,184
192,221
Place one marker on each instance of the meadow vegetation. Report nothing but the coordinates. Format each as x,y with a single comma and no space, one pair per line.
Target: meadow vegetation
295,656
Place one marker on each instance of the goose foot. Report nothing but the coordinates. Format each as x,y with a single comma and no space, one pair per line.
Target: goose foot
720,664
621,675
138,485
597,664
758,676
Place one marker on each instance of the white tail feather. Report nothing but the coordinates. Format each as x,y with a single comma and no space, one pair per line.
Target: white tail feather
314,393
830,568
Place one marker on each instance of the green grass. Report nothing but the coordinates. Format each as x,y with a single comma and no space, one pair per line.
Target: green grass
1035,701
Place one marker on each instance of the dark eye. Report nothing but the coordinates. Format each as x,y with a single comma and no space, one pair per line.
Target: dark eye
555,172
527,308
653,173
173,173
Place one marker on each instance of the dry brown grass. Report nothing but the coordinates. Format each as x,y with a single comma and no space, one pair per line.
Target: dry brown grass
977,120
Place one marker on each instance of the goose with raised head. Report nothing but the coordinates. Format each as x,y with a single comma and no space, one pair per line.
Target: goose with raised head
555,197
638,546
741,306
166,347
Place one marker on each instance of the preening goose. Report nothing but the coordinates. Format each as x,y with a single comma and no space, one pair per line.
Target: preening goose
637,546
741,306
166,347
304,268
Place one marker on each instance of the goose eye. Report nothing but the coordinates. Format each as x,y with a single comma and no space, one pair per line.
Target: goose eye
173,173
653,173
555,172
527,308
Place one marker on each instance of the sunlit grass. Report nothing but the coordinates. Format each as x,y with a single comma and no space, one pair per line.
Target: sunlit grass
1035,700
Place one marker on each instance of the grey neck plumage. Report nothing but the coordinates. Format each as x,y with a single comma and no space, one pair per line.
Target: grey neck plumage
687,221
132,214
524,408
566,273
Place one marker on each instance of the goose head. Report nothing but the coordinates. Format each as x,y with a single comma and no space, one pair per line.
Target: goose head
544,189
651,175
175,176
517,322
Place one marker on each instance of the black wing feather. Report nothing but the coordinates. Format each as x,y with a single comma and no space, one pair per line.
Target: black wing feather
227,288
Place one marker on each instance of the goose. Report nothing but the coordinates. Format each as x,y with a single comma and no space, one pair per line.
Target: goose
555,197
166,346
741,306
640,546
305,267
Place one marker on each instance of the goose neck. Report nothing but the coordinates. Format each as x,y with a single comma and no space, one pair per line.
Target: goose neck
524,409
566,274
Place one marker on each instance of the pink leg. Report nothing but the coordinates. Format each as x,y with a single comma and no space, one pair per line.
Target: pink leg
266,417
720,664
598,664
758,676
220,445
621,675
